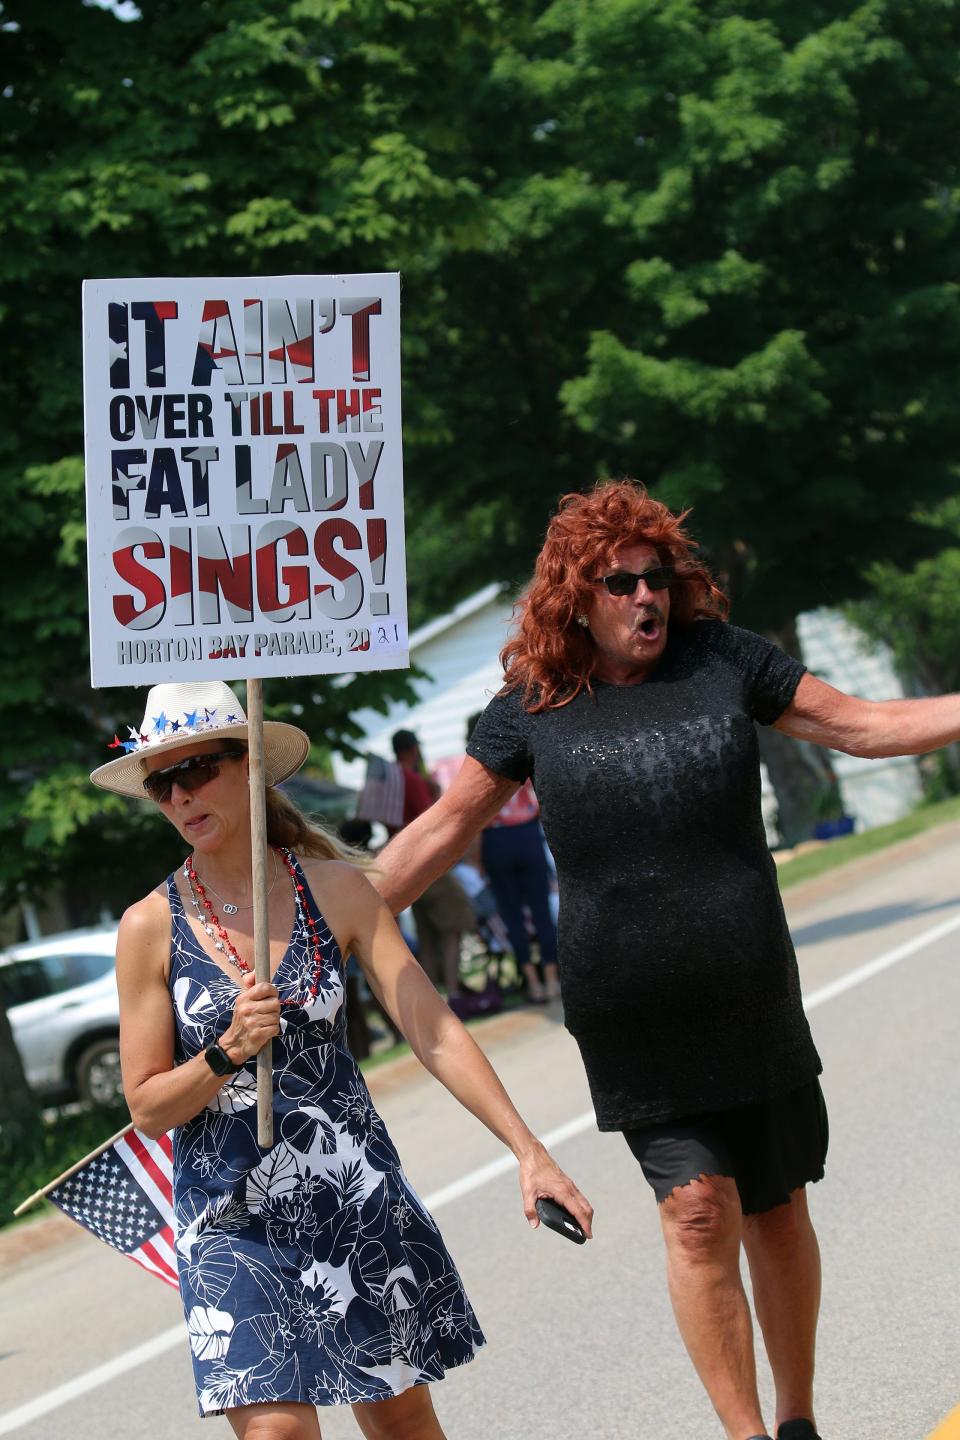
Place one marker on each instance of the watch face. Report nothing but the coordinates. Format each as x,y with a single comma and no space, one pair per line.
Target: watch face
219,1061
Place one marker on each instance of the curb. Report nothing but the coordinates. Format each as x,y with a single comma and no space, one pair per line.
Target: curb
844,877
19,1243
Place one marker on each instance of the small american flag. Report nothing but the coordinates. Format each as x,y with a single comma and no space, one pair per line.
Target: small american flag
382,795
124,1195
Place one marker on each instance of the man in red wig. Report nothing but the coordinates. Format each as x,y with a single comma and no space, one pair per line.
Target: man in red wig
631,702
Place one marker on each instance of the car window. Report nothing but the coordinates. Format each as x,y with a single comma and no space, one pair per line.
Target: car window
49,975
22,981
84,968
66,971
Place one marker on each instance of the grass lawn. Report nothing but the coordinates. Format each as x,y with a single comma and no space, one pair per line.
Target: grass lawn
851,847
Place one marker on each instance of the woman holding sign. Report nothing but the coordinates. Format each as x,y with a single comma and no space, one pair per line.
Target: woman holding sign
311,1274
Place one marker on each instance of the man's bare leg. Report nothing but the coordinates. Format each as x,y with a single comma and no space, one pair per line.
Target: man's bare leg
784,1263
702,1229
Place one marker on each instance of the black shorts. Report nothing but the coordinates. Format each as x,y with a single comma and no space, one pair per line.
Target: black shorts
769,1148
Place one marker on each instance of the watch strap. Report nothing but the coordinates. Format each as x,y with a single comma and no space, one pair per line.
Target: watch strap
219,1061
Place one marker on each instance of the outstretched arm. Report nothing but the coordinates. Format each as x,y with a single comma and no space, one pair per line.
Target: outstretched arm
872,729
437,838
364,925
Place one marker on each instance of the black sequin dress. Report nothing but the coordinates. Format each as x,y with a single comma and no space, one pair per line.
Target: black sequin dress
679,977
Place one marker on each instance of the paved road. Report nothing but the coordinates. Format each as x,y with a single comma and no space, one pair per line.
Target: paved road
581,1341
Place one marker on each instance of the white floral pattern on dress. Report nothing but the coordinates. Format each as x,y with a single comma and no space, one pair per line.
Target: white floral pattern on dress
313,1272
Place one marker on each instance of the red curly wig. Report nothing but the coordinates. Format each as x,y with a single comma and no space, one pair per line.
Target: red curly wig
552,657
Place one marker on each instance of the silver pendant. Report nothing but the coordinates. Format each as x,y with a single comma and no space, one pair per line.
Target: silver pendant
230,909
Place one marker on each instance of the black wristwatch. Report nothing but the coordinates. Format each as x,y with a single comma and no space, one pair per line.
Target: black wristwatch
219,1061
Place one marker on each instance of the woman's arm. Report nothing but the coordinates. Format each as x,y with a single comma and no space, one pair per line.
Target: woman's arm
437,838
364,925
160,1095
872,729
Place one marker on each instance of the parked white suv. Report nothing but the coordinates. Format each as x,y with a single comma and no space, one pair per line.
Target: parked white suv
61,998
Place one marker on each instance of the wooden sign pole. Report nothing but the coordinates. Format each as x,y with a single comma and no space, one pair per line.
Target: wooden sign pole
261,923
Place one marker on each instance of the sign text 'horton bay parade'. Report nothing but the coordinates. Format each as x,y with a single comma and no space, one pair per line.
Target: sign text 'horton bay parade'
244,476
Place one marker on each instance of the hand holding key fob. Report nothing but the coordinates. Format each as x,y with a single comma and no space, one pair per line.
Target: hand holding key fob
555,1217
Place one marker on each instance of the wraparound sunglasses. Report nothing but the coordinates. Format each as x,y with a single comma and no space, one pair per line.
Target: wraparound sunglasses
625,582
189,774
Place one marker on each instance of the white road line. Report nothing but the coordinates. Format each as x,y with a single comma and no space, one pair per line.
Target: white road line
473,1180
63,1394
882,962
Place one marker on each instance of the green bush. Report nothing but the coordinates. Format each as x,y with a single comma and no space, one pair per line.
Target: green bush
63,1140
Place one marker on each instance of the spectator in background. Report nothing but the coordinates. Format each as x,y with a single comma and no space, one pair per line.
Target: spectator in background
443,912
358,834
512,849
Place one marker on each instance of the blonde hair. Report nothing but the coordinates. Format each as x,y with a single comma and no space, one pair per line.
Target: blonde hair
288,826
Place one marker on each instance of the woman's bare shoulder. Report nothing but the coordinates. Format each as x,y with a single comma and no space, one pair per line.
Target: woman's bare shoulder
332,878
145,926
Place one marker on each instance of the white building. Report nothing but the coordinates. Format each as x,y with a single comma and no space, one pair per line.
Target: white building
875,791
460,652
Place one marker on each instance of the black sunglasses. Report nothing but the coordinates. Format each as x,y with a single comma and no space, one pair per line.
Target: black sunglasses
189,774
624,582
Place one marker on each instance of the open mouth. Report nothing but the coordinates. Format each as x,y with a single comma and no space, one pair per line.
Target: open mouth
649,627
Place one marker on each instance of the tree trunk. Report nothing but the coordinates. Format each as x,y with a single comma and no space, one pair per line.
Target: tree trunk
20,1121
799,772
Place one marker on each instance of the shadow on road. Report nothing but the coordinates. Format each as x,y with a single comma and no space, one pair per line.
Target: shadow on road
873,918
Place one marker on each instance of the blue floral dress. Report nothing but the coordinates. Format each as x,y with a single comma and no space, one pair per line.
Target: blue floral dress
311,1272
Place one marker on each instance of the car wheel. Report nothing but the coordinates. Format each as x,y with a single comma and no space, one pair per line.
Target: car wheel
98,1073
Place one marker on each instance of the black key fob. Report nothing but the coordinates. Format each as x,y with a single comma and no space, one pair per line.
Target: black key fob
555,1217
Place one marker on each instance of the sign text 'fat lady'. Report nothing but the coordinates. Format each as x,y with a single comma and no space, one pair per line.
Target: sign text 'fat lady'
244,477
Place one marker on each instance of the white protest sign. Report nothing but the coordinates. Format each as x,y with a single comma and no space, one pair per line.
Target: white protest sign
244,477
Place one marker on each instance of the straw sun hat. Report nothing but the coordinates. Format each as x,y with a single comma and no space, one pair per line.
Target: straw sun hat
197,710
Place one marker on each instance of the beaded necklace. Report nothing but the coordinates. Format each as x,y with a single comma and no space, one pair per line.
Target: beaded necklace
306,925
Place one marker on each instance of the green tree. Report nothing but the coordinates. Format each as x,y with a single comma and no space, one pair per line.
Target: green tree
915,611
713,246
719,253
197,138
779,184
736,241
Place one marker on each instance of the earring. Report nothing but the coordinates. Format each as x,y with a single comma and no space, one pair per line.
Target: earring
582,620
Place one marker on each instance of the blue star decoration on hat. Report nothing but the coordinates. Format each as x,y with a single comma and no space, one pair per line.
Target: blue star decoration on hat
159,723
174,726
190,721
231,719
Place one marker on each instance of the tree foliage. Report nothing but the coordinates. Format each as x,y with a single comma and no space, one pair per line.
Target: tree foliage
714,246
915,610
775,189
